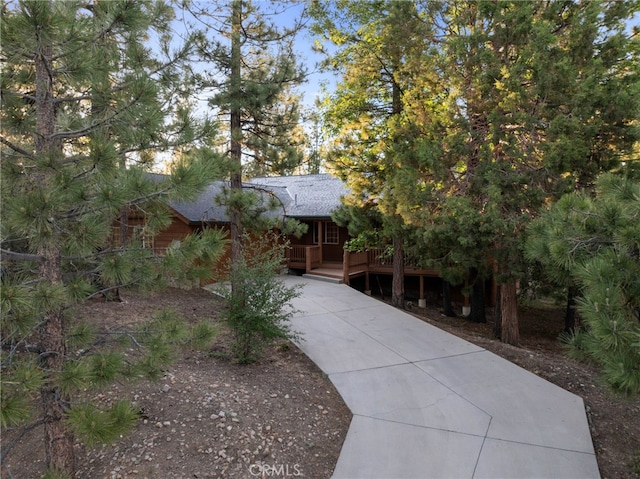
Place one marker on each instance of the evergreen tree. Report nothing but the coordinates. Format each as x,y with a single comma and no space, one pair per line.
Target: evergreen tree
537,82
595,241
380,49
275,138
506,104
265,318
518,120
253,70
314,158
85,108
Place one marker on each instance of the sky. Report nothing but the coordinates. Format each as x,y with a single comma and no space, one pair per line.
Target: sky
311,89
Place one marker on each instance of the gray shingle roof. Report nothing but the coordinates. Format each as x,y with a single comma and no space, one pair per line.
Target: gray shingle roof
303,196
204,208
312,196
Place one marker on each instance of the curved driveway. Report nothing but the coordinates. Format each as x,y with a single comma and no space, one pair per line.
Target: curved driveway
427,404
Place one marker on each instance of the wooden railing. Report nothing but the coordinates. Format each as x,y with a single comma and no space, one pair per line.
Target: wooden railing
376,258
314,259
354,263
296,254
308,258
303,256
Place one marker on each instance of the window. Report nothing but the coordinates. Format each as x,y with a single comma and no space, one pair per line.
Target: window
134,232
331,234
141,233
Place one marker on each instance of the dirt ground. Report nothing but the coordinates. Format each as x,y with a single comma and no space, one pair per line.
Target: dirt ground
281,417
209,417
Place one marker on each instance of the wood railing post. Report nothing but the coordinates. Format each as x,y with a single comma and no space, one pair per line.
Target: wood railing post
345,267
307,257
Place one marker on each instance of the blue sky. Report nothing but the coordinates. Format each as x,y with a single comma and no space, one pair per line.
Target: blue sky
312,88
307,56
303,44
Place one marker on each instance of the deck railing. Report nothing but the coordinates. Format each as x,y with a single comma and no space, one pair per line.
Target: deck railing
378,257
314,258
353,263
304,256
296,254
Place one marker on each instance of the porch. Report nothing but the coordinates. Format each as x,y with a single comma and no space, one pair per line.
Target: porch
308,258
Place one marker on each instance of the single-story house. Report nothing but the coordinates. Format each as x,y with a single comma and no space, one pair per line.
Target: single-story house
310,199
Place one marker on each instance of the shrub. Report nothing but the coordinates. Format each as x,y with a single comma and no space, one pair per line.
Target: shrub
259,303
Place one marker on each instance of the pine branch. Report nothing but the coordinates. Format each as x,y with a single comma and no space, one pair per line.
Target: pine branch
70,99
88,129
73,159
6,449
111,288
16,148
21,256
135,201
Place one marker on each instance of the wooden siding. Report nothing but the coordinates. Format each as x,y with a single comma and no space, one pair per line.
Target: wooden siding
178,230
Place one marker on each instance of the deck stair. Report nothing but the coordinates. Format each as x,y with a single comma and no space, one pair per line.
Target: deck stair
331,272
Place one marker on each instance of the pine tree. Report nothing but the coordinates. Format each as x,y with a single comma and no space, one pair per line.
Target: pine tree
595,241
536,70
252,69
506,104
314,158
519,120
379,50
85,108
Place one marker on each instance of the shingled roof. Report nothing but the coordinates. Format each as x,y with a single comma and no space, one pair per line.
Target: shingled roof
312,196
302,196
204,208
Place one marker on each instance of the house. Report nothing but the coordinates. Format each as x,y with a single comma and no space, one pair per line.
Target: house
310,199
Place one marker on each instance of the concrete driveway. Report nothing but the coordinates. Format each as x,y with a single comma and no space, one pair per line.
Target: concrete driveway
427,404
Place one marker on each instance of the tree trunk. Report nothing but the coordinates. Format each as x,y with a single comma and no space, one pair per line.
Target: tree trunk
397,288
51,335
236,136
510,333
477,297
58,439
446,299
497,316
570,317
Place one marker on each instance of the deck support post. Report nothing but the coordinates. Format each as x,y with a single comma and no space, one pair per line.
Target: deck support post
320,239
422,302
307,259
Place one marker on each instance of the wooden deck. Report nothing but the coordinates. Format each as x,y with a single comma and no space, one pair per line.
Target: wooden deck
308,258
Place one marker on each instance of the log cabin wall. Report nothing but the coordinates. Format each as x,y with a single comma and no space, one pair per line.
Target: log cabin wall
178,230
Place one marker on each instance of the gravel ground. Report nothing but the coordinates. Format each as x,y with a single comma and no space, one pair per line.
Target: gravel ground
209,417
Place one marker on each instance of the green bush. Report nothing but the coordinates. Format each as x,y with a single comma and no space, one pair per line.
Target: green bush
259,303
